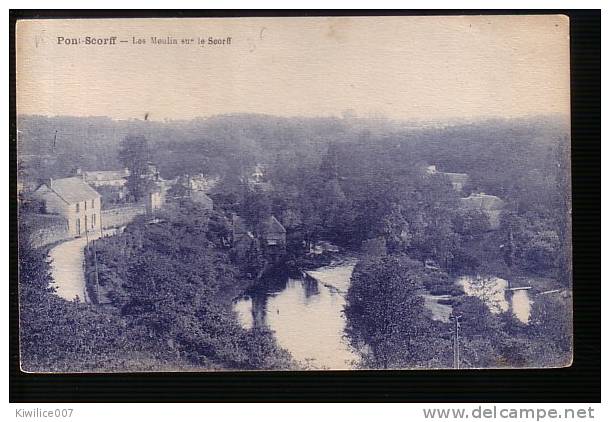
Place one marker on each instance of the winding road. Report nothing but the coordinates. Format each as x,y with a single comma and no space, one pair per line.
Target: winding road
68,268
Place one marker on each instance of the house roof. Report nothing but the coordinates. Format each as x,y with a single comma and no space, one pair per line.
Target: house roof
260,186
201,196
271,226
454,177
481,201
155,188
105,175
457,177
72,190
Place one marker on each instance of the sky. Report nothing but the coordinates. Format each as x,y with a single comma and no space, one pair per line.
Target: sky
406,68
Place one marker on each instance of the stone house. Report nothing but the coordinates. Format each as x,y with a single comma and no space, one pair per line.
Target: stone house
156,196
99,178
193,188
73,199
200,197
257,179
458,180
111,184
154,199
270,235
200,182
489,205
258,174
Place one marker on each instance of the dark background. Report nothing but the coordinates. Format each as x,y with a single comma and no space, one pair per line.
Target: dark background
579,383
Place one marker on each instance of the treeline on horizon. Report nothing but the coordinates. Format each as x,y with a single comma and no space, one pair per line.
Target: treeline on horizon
210,145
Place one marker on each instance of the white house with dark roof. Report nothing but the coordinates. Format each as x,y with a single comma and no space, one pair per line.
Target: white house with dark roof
75,200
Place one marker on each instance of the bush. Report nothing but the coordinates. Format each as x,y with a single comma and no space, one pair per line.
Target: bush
439,283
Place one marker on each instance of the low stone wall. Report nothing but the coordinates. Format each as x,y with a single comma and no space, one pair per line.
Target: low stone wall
120,216
51,228
47,229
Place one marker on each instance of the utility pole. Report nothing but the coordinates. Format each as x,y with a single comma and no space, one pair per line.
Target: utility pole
456,341
97,277
101,222
86,232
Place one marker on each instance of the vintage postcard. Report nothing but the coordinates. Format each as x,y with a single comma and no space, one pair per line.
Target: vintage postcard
294,193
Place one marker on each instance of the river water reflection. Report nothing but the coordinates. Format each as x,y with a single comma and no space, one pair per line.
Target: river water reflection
494,292
306,315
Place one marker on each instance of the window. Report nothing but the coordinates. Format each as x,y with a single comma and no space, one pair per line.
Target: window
85,205
93,204
93,222
77,207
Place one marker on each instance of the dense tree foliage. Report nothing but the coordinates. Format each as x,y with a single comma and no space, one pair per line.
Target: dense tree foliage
387,321
134,155
175,280
389,326
349,180
360,183
56,335
169,290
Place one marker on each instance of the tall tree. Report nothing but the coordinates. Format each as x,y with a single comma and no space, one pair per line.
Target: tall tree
134,155
329,168
551,320
386,319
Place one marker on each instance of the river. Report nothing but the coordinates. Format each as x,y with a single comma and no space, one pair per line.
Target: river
494,292
306,315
